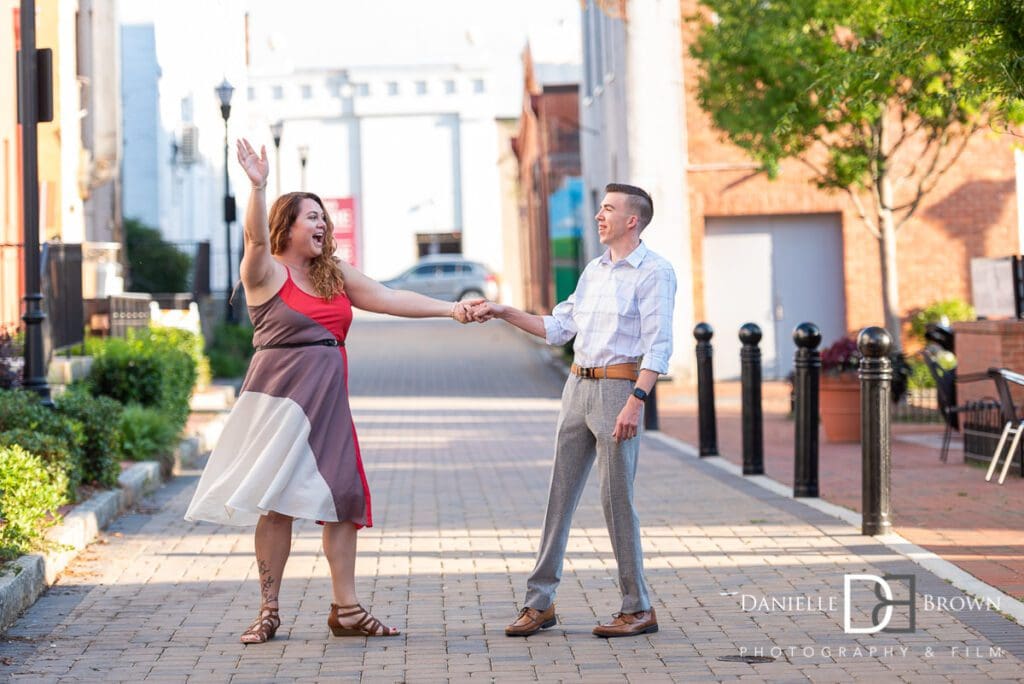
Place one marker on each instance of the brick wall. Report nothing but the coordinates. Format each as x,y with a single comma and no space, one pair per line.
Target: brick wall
981,345
970,213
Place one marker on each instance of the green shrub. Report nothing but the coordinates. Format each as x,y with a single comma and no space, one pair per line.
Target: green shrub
188,342
100,418
230,350
30,495
148,369
952,310
53,452
20,410
148,434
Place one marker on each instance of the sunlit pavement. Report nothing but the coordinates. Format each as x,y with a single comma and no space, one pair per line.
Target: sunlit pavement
456,426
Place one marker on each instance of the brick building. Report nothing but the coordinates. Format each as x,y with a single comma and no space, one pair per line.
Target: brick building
780,252
547,148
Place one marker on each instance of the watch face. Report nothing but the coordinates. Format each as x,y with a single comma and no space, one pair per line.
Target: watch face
639,394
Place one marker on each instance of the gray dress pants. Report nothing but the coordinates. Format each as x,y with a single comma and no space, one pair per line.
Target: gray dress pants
585,425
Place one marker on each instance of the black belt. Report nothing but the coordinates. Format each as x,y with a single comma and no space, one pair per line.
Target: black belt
291,345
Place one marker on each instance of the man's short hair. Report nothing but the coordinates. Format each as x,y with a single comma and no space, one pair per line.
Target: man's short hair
639,202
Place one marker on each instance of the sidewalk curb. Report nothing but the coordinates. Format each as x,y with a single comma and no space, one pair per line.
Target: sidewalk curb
30,575
920,556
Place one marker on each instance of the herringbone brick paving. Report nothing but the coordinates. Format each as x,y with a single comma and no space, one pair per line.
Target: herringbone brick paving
456,427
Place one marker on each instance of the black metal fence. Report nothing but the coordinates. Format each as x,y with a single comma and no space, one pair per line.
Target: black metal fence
117,314
62,294
918,406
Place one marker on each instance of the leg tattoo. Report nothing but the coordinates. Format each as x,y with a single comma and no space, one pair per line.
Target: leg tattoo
266,582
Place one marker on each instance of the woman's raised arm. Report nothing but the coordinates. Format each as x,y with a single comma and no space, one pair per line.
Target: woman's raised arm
257,264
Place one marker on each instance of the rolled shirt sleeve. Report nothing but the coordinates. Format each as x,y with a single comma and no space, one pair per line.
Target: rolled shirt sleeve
560,327
656,301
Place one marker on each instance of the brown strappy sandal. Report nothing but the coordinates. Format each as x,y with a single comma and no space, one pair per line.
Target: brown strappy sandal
263,628
367,626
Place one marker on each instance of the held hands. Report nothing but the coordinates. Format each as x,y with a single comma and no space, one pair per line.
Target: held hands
463,311
256,165
478,310
484,311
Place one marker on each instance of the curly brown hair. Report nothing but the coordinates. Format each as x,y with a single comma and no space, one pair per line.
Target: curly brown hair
324,272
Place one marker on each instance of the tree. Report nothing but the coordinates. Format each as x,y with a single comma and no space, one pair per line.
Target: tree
854,92
155,265
991,35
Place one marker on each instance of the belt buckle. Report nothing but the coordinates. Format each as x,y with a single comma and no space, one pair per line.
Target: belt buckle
587,373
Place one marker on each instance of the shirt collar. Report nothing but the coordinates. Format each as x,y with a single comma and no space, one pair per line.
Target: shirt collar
634,258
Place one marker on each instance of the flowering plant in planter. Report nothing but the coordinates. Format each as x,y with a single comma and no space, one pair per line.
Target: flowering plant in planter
842,359
842,356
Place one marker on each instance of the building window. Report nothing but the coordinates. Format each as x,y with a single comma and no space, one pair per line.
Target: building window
478,85
277,92
449,86
251,93
307,92
421,87
392,87
362,89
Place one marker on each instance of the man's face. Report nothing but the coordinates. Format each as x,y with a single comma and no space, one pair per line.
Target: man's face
614,218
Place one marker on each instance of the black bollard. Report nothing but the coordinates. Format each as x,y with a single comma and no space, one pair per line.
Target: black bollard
651,409
753,418
806,378
875,446
705,391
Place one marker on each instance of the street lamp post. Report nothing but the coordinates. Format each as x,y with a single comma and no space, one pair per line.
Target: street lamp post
224,92
34,105
303,158
276,129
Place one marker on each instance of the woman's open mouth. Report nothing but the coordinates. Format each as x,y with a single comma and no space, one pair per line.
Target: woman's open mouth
318,239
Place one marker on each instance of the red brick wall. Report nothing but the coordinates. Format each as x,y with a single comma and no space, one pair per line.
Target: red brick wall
970,213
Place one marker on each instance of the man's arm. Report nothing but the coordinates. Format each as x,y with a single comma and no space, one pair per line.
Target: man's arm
627,424
531,323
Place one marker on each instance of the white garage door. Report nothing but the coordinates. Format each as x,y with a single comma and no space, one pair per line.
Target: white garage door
777,272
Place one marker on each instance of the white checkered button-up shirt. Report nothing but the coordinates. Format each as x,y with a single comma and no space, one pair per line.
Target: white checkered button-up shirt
619,312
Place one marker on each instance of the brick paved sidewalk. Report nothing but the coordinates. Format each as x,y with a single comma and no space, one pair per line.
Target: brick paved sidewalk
947,508
456,427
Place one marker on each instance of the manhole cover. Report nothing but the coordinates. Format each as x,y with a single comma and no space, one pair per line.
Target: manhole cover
749,660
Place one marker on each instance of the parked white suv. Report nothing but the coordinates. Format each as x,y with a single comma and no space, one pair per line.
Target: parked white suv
450,277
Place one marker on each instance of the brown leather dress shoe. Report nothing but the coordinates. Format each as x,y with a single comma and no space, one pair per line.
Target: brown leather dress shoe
629,624
531,621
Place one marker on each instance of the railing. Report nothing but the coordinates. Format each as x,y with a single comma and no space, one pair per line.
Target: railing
918,406
62,294
117,314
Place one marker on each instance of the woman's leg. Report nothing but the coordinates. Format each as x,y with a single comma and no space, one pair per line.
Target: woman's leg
347,616
340,549
273,545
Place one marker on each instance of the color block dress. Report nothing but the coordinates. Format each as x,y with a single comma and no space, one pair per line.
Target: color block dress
289,444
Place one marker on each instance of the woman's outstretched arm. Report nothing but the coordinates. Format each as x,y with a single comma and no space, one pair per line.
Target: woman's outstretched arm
366,293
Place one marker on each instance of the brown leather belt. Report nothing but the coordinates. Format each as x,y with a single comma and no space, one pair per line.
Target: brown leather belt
616,371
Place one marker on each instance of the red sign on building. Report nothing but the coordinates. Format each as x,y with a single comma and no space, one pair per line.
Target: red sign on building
343,215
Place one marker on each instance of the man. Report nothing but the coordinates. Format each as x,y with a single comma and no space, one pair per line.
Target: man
620,312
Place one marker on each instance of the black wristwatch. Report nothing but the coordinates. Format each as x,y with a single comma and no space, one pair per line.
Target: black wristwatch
639,394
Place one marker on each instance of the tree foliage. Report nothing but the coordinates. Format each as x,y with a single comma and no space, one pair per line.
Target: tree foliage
860,93
155,265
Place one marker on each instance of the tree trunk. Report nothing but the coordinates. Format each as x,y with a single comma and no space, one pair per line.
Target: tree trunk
887,251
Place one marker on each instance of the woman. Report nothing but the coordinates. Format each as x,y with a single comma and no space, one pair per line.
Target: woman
289,449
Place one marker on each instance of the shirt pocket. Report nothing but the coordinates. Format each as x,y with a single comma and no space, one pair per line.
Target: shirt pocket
628,313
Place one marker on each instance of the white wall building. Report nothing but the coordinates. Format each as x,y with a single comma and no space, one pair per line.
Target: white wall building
633,130
173,56
414,146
